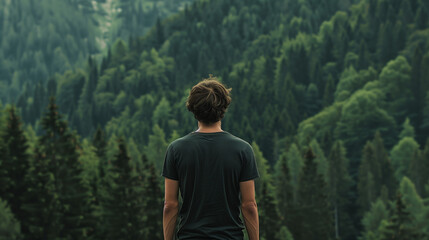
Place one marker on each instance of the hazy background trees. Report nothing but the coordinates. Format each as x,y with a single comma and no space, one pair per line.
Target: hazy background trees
333,95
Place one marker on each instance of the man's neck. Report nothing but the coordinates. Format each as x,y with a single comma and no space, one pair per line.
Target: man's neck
215,127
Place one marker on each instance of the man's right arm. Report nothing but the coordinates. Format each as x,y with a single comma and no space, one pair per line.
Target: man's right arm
249,209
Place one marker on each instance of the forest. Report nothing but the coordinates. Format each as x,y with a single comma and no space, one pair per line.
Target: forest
332,95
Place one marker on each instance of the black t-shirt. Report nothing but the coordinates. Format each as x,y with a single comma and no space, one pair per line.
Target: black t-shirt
209,168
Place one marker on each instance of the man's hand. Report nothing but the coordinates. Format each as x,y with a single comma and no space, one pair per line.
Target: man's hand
171,208
250,209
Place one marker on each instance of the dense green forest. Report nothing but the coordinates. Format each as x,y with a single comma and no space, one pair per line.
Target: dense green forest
47,37
333,95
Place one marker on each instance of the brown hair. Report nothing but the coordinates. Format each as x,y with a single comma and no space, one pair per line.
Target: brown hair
208,100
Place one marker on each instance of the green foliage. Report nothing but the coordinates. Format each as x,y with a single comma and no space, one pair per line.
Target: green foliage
419,168
155,150
262,165
352,81
395,82
339,185
283,185
162,114
40,40
402,155
284,234
62,206
401,224
313,214
15,163
322,163
266,197
123,203
9,226
361,118
295,165
407,130
376,176
305,73
372,220
369,174
153,203
269,222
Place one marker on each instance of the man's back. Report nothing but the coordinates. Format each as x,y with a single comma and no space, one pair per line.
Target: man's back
209,168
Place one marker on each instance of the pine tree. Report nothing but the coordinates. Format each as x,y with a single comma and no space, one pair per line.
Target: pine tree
382,157
372,220
425,122
401,224
314,214
157,145
422,16
153,203
16,163
404,155
123,201
339,184
9,225
100,144
284,234
413,202
283,186
420,171
328,95
3,173
407,130
295,164
322,162
43,212
368,178
58,176
268,213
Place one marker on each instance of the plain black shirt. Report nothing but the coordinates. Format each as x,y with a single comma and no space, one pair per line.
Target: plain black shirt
209,168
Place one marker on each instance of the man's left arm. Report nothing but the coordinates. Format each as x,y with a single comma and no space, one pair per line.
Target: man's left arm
171,208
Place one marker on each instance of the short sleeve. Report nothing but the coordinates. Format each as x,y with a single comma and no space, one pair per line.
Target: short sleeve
249,170
169,169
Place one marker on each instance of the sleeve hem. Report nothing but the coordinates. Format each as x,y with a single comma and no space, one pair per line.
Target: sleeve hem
170,177
249,178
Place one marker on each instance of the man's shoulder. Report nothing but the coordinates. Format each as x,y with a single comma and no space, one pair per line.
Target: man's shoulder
226,138
239,141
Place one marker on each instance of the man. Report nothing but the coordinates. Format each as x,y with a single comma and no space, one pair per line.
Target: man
214,171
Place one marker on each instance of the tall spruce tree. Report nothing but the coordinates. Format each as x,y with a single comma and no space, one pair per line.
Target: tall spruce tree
43,211
57,174
339,184
265,196
419,169
153,203
99,142
3,174
368,178
16,163
314,214
387,174
401,224
284,234
269,216
123,202
295,164
375,171
372,220
282,184
9,225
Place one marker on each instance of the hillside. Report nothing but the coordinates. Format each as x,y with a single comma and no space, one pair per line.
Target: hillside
347,78
40,40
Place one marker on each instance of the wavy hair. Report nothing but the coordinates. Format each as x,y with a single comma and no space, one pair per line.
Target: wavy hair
208,100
